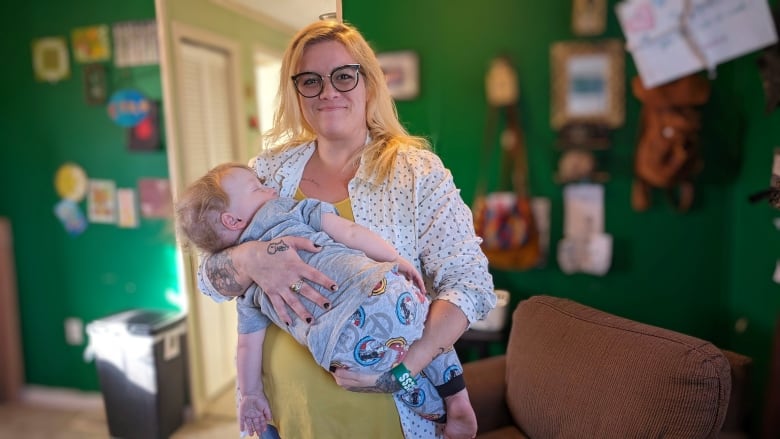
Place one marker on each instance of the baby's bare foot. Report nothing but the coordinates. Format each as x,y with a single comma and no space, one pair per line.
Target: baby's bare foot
461,420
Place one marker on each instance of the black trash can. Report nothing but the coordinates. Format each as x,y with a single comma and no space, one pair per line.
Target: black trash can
141,361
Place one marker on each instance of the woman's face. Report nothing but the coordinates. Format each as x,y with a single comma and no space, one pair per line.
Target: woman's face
333,115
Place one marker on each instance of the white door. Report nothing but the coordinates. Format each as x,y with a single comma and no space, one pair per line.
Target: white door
205,83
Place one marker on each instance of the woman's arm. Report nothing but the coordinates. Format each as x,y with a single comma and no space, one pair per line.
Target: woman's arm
451,258
273,266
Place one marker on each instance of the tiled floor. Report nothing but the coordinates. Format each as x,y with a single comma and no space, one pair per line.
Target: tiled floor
43,420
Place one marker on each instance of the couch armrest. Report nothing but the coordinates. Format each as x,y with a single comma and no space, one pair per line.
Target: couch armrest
486,384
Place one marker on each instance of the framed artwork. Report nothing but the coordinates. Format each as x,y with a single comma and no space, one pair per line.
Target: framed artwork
155,198
95,86
588,84
91,44
101,201
50,59
402,72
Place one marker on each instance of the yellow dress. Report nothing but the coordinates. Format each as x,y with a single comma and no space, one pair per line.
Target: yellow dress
305,400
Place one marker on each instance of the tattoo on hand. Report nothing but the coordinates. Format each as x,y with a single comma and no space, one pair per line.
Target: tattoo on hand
279,246
223,273
386,383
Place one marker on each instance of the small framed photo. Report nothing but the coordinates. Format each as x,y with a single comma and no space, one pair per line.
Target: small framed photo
95,87
587,83
402,72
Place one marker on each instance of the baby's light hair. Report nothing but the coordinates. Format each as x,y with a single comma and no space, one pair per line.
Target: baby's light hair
199,209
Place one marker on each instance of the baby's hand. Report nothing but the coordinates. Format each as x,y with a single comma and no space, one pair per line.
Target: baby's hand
254,413
407,269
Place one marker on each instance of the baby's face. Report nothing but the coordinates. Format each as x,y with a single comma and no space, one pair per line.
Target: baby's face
246,193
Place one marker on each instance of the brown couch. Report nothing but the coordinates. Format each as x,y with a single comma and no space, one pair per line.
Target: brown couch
571,371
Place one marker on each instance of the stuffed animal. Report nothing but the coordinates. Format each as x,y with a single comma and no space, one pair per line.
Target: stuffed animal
667,155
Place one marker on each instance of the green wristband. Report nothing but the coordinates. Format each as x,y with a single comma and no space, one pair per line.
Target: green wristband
404,377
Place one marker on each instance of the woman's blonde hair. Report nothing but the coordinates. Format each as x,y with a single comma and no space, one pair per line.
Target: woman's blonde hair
386,132
200,206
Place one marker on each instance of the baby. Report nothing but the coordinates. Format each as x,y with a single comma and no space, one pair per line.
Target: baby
378,311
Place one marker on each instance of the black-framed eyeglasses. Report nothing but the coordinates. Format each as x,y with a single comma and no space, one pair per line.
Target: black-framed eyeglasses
344,78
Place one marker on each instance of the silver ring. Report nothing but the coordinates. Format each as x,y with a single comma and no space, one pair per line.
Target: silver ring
296,287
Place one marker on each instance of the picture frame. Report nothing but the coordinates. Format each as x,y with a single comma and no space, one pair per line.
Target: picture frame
587,83
402,72
95,84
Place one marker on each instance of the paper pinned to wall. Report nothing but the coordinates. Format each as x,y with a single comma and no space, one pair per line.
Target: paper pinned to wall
669,39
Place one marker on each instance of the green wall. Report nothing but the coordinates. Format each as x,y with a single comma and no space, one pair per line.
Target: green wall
106,269
696,272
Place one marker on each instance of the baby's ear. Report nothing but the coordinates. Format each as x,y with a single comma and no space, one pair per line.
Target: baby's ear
230,221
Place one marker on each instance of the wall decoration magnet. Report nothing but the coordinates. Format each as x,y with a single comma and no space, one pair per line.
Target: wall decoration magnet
145,135
101,201
135,43
589,17
155,197
50,59
70,181
71,217
95,87
91,44
128,107
128,214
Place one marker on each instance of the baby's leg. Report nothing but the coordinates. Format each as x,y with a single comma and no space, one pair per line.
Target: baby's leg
446,373
461,420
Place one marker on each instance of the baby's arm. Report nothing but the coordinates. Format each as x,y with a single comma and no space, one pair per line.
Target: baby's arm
355,236
254,412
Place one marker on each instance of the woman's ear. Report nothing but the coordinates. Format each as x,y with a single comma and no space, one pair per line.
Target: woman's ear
231,221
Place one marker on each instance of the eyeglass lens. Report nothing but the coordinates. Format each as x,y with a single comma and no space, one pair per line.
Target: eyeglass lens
343,79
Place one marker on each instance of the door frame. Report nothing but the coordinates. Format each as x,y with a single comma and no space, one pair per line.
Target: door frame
186,262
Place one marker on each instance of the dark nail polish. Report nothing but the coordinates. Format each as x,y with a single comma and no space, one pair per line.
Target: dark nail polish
332,368
326,305
334,287
317,245
308,319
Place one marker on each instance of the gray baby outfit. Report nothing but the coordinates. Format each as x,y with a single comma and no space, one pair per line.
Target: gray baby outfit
373,318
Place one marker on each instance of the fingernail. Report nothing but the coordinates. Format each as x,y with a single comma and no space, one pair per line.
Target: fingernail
308,319
317,245
332,368
326,305
334,287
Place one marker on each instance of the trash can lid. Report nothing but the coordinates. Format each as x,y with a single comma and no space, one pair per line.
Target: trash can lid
141,321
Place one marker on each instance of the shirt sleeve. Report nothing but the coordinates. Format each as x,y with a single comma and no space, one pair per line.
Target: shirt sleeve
450,250
250,317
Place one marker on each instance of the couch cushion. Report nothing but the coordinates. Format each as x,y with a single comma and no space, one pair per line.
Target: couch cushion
574,371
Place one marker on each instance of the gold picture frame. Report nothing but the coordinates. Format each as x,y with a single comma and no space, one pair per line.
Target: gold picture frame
402,73
588,83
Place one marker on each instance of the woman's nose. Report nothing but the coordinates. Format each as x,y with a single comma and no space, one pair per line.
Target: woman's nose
328,89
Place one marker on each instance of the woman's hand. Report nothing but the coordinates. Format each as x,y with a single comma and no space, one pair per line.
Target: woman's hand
276,267
407,269
366,383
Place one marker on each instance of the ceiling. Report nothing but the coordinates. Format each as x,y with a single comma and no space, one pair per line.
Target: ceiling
290,13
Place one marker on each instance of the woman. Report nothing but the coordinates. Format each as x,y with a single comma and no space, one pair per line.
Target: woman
339,140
